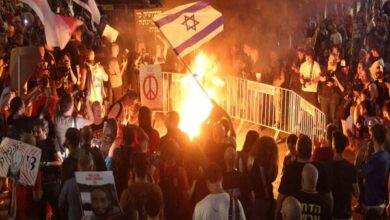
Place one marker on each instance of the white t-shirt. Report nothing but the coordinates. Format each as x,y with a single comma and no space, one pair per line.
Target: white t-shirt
305,70
336,38
216,207
96,83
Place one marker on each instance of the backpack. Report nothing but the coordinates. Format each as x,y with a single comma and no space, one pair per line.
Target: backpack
233,206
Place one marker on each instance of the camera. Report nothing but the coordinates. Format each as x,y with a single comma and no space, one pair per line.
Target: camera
329,77
95,142
305,80
80,94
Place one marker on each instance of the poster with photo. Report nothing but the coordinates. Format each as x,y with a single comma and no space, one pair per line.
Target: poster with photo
19,161
98,195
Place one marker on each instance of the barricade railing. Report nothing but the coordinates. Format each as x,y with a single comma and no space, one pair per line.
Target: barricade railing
266,105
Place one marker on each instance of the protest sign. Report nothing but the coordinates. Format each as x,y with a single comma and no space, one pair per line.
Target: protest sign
151,81
99,199
143,21
19,161
110,33
22,65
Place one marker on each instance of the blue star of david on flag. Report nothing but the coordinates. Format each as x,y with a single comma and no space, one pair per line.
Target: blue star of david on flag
190,22
187,27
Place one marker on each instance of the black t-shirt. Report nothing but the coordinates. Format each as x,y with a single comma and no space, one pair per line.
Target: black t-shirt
288,160
49,148
291,179
314,206
215,151
72,48
97,130
177,135
342,175
325,90
238,184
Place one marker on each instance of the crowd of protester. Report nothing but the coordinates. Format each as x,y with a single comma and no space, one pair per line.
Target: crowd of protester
81,108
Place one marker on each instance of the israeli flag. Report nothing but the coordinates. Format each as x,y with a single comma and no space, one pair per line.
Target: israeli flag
188,26
91,7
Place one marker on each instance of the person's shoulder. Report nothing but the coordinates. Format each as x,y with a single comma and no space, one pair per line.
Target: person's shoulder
304,196
155,133
304,64
213,199
294,166
318,164
70,183
80,119
156,188
69,161
50,141
384,155
112,60
345,163
229,177
61,120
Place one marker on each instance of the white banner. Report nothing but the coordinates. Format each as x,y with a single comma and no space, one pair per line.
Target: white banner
151,86
110,33
19,161
98,188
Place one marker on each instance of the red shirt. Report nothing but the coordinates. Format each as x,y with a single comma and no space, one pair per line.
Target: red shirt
40,102
323,154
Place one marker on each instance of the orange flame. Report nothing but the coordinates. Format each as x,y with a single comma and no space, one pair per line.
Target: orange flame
196,106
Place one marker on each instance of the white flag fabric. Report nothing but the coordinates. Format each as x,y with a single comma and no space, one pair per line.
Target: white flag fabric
58,29
188,26
91,7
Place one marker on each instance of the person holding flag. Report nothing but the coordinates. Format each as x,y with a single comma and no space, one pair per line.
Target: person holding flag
189,26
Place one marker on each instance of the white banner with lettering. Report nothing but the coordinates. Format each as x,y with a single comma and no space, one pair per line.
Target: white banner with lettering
96,188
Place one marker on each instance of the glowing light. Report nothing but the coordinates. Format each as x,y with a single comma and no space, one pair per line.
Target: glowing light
195,106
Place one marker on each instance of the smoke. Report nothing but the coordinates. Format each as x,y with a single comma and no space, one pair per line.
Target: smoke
266,25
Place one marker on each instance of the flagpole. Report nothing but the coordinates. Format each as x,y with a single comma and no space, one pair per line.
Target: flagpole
188,68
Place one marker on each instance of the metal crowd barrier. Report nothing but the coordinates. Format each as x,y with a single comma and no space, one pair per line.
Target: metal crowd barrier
280,109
